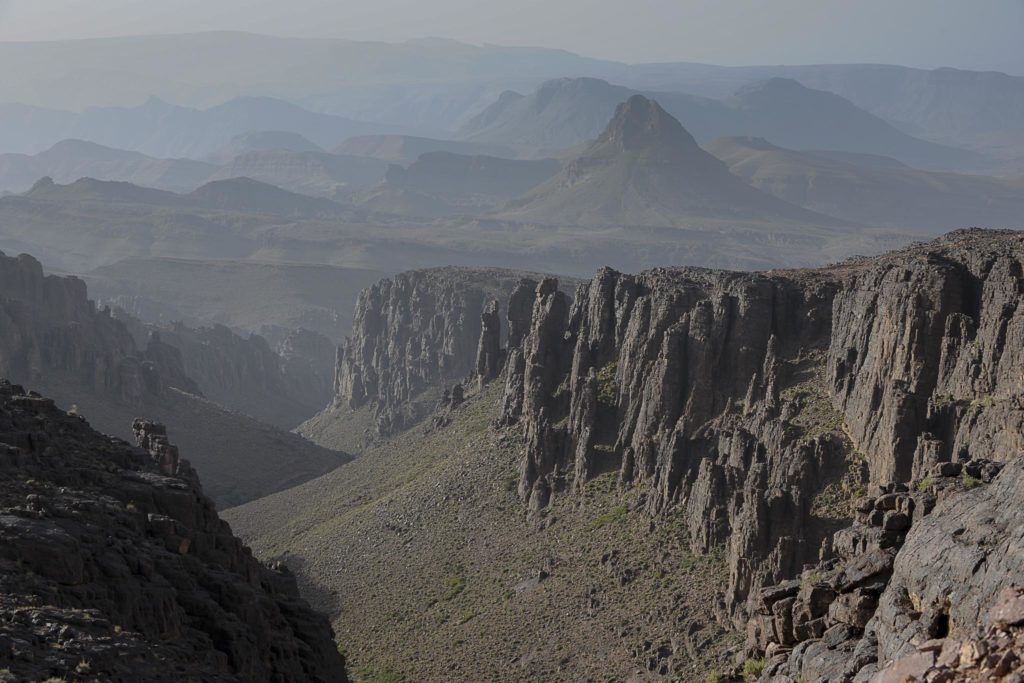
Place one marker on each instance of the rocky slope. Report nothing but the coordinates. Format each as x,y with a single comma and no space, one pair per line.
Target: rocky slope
920,587
420,552
52,337
114,566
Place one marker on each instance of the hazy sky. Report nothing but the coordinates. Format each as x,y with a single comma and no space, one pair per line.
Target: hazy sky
973,34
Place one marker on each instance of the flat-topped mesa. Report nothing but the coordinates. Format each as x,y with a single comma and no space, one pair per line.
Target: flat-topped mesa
750,401
419,332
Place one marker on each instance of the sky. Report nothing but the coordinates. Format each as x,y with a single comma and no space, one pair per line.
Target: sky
969,34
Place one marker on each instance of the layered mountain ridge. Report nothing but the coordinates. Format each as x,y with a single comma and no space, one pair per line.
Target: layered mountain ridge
646,169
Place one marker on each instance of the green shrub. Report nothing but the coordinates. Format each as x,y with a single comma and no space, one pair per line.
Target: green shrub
368,675
607,385
810,578
752,668
613,515
455,585
714,677
971,482
925,484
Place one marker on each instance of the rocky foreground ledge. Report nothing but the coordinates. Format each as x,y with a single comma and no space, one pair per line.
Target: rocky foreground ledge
114,566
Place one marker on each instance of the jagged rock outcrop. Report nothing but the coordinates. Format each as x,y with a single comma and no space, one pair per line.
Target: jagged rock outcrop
114,566
489,356
54,339
416,334
648,375
750,403
995,652
920,564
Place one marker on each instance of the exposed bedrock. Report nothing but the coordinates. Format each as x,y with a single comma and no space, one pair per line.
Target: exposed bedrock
908,588
114,566
927,355
418,333
758,405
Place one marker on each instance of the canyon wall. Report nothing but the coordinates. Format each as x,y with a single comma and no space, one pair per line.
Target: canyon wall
759,405
415,335
55,340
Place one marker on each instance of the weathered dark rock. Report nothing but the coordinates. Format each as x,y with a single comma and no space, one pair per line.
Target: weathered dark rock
126,572
489,357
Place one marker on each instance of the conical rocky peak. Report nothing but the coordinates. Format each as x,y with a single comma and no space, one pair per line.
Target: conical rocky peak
641,125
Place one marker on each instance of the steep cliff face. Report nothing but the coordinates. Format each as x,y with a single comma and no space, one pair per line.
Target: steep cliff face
673,379
927,355
245,374
49,324
757,405
114,566
54,339
413,335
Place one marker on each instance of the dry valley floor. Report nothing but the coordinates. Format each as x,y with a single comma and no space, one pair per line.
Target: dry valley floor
423,554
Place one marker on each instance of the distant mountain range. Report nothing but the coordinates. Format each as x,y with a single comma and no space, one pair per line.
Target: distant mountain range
264,298
276,158
874,190
69,160
262,141
445,184
160,129
567,112
434,85
646,170
242,195
405,149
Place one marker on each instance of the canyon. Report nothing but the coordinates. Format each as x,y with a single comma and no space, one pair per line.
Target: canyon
752,414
